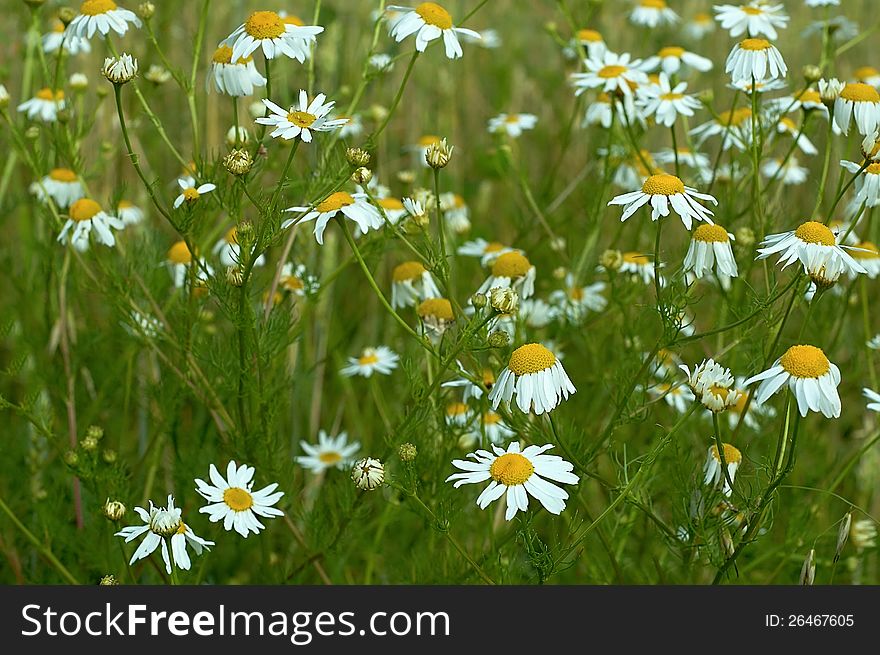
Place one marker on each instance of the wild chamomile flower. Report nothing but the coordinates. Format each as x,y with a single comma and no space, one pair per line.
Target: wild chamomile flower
368,474
489,424
44,106
517,474
677,396
354,206
229,250
791,173
735,128
537,378
297,280
512,125
859,102
867,75
178,260
755,59
429,21
592,41
600,111
713,473
62,185
472,390
85,216
671,59
612,73
190,191
665,102
455,212
121,69
301,121
351,127
651,13
867,183
640,266
487,251
163,526
812,379
685,157
787,126
381,360
536,313
663,191
753,19
410,283
806,99
699,26
710,248
458,414
101,16
268,31
576,301
436,315
56,39
393,208
822,3
330,452
420,148
868,255
233,501
815,246
712,384
511,270
234,78
128,212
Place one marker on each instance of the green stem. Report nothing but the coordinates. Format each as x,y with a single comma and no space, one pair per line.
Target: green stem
44,550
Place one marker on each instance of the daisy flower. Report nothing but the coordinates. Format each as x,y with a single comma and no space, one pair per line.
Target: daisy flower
873,397
101,16
671,59
710,248
591,40
54,40
788,126
685,157
611,73
755,59
713,473
268,31
455,212
487,251
640,266
233,501
867,75
410,283
296,280
420,148
735,128
537,378
756,410
517,474
536,313
490,424
352,126
808,100
663,191
790,174
235,79
436,315
651,13
368,474
512,125
812,379
575,301
458,414
44,106
129,213
229,250
190,192
511,270
860,102
868,255
599,112
393,208
330,452
754,19
815,246
472,390
429,21
664,102
354,206
178,260
371,360
62,185
698,26
712,384
677,396
84,216
302,121
163,526
867,183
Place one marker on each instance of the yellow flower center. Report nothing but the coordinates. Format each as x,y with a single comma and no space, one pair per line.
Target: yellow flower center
456,409
734,118
191,194
671,51
57,27
591,36
182,529
264,25
231,236
873,169
530,358
511,469
488,378
330,458
494,246
62,175
83,209
753,11
576,293
334,202
48,94
636,258
293,20
858,92
788,124
491,418
125,204
222,55
407,271
805,362
439,308
368,358
604,97
607,72
671,96
390,203
434,14
238,499
868,250
512,118
95,7
428,140
292,283
810,95
865,72
711,234
754,44
301,118
654,4
815,232
179,253
511,264
663,185
732,455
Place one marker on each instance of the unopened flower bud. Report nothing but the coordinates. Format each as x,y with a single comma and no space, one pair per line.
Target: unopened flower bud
829,90
237,135
407,452
71,458
557,244
745,237
108,581
611,260
238,162
357,157
706,96
479,300
78,82
95,432
811,73
560,272
66,15
362,176
406,176
438,154
109,455
504,301
498,339
368,473
32,133
808,570
157,74
377,113
146,10
89,443
234,275
121,69
113,510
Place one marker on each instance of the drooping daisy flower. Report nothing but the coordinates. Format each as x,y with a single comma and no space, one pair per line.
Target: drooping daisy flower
536,313
352,126
62,185
599,112
713,473
591,40
330,452
235,79
867,75
190,193
640,266
807,99
512,125
756,410
101,16
755,59
229,250
270,32
860,102
811,378
576,301
429,21
611,73
663,191
178,261
699,26
537,378
664,102
671,59
712,384
44,106
873,398
129,213
489,424
301,122
710,248
472,390
380,359
233,501
368,474
792,173
354,206
735,128
459,414
84,216
455,212
787,126
868,255
420,148
54,40
511,271
518,475
651,13
436,316
487,251
867,183
410,283
753,19
815,246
